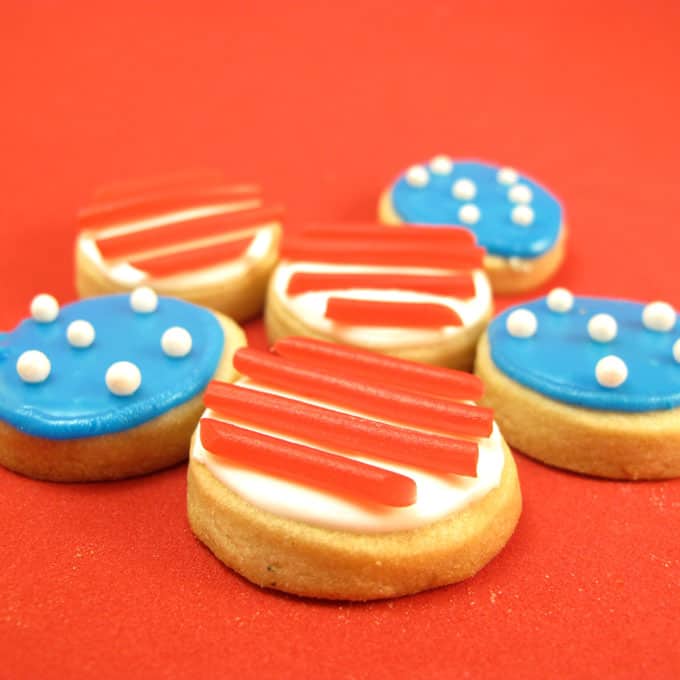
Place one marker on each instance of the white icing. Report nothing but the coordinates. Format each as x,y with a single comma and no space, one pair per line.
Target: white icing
44,308
439,495
176,342
560,300
464,189
507,176
80,333
611,371
676,350
520,193
33,366
469,213
416,176
522,215
310,307
123,378
658,316
144,300
441,165
602,328
521,323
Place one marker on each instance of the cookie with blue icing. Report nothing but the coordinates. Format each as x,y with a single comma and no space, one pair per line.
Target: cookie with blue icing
108,387
588,384
519,222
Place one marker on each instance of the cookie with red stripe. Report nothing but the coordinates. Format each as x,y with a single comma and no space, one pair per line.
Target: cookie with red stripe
189,235
334,472
418,293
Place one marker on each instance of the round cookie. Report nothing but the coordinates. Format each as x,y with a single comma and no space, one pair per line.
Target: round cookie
337,473
587,384
108,387
190,236
418,294
519,223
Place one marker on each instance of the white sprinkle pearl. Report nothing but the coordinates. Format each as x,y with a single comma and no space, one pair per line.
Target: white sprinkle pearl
611,371
417,176
676,350
123,378
507,176
520,193
521,323
469,213
602,328
33,366
464,189
176,342
658,316
144,300
560,300
80,333
522,215
441,165
44,308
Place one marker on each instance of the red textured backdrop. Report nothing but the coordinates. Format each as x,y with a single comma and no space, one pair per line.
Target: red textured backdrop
322,105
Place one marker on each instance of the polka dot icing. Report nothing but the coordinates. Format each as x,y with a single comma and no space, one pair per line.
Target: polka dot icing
522,323
464,189
560,300
658,316
602,328
144,300
80,333
176,342
123,378
33,366
676,350
44,308
441,165
417,176
561,361
435,203
75,401
469,214
522,215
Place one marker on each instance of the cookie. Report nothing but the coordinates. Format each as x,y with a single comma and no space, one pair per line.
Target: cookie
338,473
189,235
587,384
417,293
518,221
108,387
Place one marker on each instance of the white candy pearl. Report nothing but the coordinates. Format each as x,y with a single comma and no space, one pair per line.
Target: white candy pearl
560,300
522,215
520,193
507,176
144,300
176,342
33,366
602,328
80,333
521,323
464,189
611,371
676,350
123,378
469,213
417,176
658,316
44,308
441,165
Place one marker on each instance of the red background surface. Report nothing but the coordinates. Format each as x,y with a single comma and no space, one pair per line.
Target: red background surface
323,105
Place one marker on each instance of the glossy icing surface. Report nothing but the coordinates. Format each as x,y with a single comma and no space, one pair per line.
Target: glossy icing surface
559,360
74,400
435,203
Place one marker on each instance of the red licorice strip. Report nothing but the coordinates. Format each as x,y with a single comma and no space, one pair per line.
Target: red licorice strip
337,474
186,230
450,285
192,258
444,235
342,431
353,362
381,313
383,252
375,399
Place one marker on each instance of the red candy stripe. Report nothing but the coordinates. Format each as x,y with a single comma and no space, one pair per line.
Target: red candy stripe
379,313
186,230
450,285
408,408
381,369
383,252
192,258
444,235
340,475
343,431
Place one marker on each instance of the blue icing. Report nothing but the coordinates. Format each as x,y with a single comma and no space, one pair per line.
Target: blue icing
559,360
74,400
495,230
